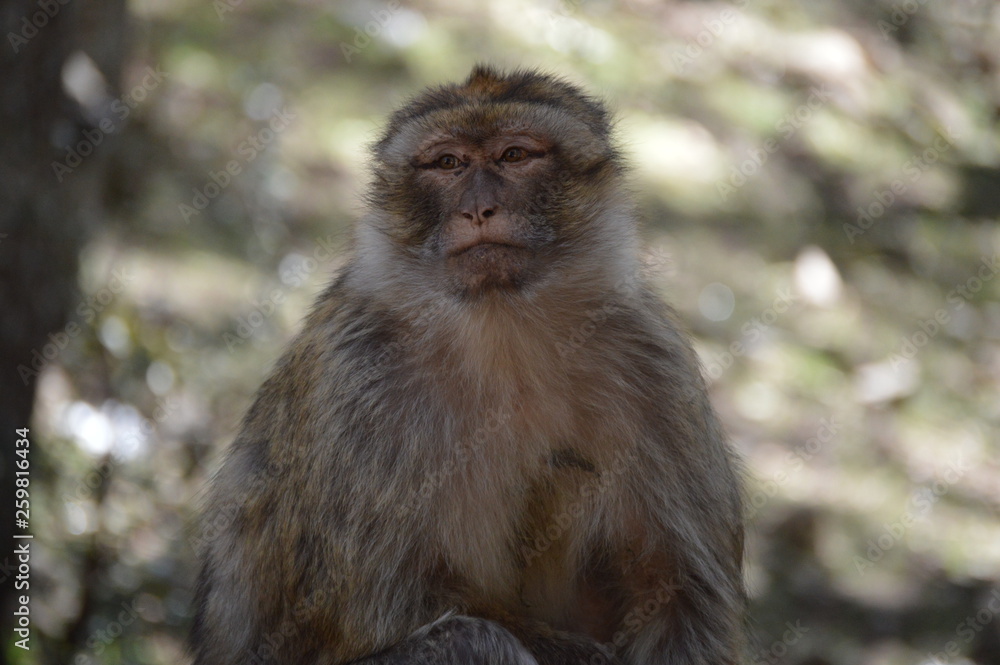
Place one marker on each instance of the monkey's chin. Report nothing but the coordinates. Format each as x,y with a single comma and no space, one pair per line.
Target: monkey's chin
489,267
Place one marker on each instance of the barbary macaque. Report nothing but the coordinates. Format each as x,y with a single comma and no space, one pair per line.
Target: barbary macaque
491,443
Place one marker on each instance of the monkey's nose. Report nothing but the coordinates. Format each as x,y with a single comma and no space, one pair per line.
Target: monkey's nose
479,214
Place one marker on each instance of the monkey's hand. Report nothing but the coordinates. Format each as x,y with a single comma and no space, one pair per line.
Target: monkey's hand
456,640
559,648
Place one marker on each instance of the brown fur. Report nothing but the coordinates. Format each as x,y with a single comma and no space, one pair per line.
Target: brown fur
502,454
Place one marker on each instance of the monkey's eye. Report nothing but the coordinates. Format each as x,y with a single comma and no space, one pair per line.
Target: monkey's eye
513,155
447,162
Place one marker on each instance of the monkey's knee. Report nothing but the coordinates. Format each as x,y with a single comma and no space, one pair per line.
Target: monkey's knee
457,640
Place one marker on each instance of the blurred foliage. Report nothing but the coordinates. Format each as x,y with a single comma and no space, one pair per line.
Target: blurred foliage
821,184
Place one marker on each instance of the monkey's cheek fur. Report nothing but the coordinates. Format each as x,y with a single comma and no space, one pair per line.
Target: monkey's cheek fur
490,266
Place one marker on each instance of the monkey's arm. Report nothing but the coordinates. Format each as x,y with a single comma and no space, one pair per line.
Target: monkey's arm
678,513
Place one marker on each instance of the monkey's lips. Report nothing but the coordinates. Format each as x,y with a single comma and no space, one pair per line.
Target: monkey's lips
482,246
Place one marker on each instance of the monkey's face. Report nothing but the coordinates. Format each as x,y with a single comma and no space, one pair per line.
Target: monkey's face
490,195
487,226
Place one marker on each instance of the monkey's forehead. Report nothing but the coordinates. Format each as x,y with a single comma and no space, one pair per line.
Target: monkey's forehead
476,124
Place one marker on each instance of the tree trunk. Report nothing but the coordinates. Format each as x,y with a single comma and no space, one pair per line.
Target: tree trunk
44,219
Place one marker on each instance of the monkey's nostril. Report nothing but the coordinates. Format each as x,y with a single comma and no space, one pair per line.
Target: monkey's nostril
467,215
488,212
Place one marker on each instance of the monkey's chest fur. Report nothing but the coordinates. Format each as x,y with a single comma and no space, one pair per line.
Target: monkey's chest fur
534,457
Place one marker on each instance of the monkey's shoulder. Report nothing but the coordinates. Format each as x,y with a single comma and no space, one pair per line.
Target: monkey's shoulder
344,349
646,331
346,334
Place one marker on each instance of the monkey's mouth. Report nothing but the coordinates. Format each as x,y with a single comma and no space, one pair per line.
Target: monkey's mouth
483,247
487,265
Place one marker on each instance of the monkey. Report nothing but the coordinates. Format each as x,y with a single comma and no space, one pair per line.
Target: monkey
491,442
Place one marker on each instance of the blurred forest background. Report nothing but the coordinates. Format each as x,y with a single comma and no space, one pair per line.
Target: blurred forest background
821,188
